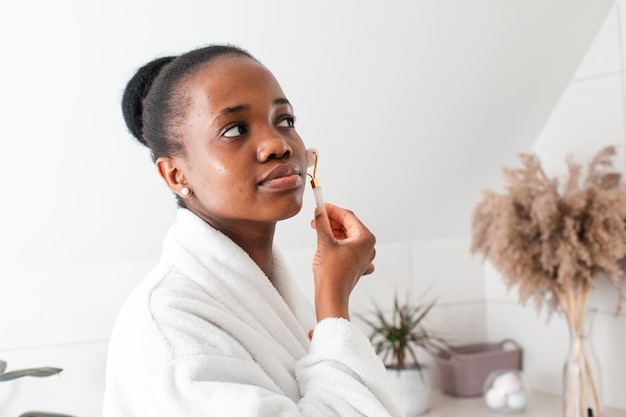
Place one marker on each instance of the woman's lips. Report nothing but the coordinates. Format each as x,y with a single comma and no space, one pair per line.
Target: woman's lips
284,176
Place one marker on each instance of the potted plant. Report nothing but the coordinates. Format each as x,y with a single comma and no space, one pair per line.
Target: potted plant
397,338
35,372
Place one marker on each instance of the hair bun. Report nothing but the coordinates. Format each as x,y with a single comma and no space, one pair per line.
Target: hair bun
136,90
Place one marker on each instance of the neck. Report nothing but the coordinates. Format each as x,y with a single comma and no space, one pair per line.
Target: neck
255,239
258,248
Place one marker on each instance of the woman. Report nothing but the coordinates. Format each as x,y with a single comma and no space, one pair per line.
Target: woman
219,328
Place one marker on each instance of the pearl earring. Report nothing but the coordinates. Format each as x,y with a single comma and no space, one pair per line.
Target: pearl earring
185,191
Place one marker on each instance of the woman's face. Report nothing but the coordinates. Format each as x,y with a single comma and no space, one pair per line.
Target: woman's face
243,160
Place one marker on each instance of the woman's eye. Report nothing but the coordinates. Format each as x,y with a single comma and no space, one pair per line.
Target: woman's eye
235,131
287,122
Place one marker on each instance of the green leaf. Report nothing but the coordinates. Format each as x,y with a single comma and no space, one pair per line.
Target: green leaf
397,334
36,372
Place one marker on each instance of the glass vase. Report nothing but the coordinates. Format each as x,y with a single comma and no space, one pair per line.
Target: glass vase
581,372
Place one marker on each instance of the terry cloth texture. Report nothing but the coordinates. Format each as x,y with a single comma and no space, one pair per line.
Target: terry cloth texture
207,333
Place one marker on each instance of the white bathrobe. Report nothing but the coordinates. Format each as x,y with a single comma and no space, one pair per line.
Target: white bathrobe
208,334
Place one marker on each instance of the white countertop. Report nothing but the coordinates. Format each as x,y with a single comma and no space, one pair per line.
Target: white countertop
540,405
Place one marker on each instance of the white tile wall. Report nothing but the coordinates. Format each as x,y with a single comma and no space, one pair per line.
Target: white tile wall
61,305
544,343
587,118
421,270
77,391
447,266
61,317
601,58
590,113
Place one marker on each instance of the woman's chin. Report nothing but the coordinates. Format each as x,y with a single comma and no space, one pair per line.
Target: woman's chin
286,209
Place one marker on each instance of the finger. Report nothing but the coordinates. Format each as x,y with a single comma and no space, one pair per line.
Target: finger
321,224
338,231
339,234
348,221
333,224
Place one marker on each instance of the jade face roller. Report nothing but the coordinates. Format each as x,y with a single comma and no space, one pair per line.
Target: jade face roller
312,157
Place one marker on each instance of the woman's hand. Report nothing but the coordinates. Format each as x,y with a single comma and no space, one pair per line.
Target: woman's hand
345,251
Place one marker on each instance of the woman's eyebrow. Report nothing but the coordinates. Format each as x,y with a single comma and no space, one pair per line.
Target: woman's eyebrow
241,107
230,110
280,101
234,109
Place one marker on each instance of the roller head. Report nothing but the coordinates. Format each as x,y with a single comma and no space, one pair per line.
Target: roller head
311,157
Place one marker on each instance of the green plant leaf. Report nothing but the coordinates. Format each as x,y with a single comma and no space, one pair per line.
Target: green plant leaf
3,366
36,372
398,336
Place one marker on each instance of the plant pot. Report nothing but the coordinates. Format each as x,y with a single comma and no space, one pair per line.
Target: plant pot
413,388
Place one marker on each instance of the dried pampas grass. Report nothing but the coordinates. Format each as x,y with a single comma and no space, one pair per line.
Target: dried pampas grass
553,240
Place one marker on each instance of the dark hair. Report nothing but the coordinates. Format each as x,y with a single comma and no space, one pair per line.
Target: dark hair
152,105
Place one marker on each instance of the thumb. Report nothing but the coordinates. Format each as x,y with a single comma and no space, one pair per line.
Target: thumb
322,224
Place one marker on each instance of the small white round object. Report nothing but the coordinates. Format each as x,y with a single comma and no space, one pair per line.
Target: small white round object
495,399
517,401
509,382
504,391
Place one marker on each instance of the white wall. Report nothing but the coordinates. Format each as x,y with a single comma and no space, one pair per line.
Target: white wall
439,269
61,316
589,116
413,105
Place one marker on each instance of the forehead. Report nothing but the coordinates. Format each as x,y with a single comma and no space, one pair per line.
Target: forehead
232,80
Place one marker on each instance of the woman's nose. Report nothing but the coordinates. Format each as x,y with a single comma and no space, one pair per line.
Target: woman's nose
273,147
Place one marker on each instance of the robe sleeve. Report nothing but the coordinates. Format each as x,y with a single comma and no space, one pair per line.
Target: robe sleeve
342,376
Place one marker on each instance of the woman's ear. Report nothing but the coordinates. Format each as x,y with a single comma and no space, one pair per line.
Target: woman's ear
173,176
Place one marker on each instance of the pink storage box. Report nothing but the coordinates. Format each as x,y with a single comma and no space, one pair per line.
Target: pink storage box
463,369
